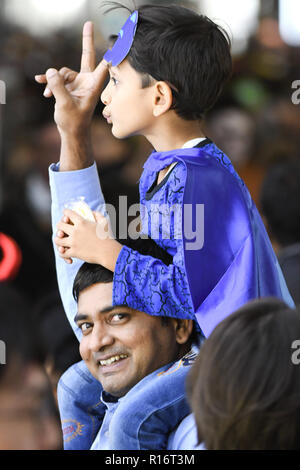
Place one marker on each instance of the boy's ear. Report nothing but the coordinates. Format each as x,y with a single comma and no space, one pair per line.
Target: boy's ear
162,98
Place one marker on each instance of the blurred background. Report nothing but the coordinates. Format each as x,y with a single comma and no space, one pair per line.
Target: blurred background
256,122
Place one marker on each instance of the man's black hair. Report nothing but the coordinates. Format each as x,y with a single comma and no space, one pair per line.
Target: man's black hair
188,51
280,201
90,274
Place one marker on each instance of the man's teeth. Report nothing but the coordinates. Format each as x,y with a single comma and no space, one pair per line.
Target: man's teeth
112,359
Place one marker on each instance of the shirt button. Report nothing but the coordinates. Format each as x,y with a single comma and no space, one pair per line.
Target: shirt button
106,434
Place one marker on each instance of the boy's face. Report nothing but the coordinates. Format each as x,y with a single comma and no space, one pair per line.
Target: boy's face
132,344
128,106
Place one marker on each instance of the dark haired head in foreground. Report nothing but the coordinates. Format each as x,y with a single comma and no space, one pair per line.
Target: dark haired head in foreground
244,387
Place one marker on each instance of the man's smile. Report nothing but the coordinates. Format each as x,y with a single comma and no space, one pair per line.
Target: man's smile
112,359
112,365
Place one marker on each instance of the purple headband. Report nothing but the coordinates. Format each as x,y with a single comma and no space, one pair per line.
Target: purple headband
124,42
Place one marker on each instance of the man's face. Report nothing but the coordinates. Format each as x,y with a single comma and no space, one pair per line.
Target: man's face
128,106
120,346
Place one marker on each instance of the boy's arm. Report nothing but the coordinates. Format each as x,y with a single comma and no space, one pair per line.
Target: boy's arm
146,284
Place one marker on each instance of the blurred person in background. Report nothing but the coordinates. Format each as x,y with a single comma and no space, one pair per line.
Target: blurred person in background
244,387
56,338
25,215
28,418
280,202
233,129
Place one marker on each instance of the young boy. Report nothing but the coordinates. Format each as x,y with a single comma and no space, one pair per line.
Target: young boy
162,92
167,69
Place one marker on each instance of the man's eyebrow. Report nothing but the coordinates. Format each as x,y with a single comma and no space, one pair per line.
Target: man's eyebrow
109,308
79,317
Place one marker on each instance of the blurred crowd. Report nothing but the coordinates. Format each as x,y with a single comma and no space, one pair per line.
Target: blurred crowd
255,122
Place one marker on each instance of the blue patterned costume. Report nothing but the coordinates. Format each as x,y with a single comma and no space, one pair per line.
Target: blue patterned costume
209,278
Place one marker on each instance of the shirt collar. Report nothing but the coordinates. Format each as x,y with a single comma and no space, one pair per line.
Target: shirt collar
192,143
159,160
109,400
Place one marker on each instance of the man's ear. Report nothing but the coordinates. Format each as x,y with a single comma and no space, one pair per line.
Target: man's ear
162,98
183,330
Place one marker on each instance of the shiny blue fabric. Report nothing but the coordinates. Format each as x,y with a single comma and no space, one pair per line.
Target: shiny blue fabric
122,46
236,262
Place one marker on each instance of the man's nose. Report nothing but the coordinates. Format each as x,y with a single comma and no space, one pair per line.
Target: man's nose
100,338
105,96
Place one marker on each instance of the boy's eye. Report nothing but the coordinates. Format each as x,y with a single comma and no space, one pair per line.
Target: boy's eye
114,80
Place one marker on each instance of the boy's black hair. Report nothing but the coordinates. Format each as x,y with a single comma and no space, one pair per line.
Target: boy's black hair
186,50
244,387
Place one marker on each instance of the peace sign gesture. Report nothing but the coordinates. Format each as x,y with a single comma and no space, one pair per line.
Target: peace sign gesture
76,94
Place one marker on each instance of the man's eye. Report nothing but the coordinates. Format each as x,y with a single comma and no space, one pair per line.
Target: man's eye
118,317
85,327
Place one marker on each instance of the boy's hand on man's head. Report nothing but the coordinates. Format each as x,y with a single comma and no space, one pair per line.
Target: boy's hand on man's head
61,234
76,94
92,242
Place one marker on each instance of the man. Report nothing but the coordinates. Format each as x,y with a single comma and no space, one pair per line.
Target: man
140,361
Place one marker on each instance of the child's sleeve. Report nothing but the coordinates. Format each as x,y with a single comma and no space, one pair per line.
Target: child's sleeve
146,284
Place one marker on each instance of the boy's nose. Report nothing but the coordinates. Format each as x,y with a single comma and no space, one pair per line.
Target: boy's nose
105,96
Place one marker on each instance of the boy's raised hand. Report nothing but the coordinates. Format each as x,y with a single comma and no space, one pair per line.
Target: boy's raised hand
76,94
